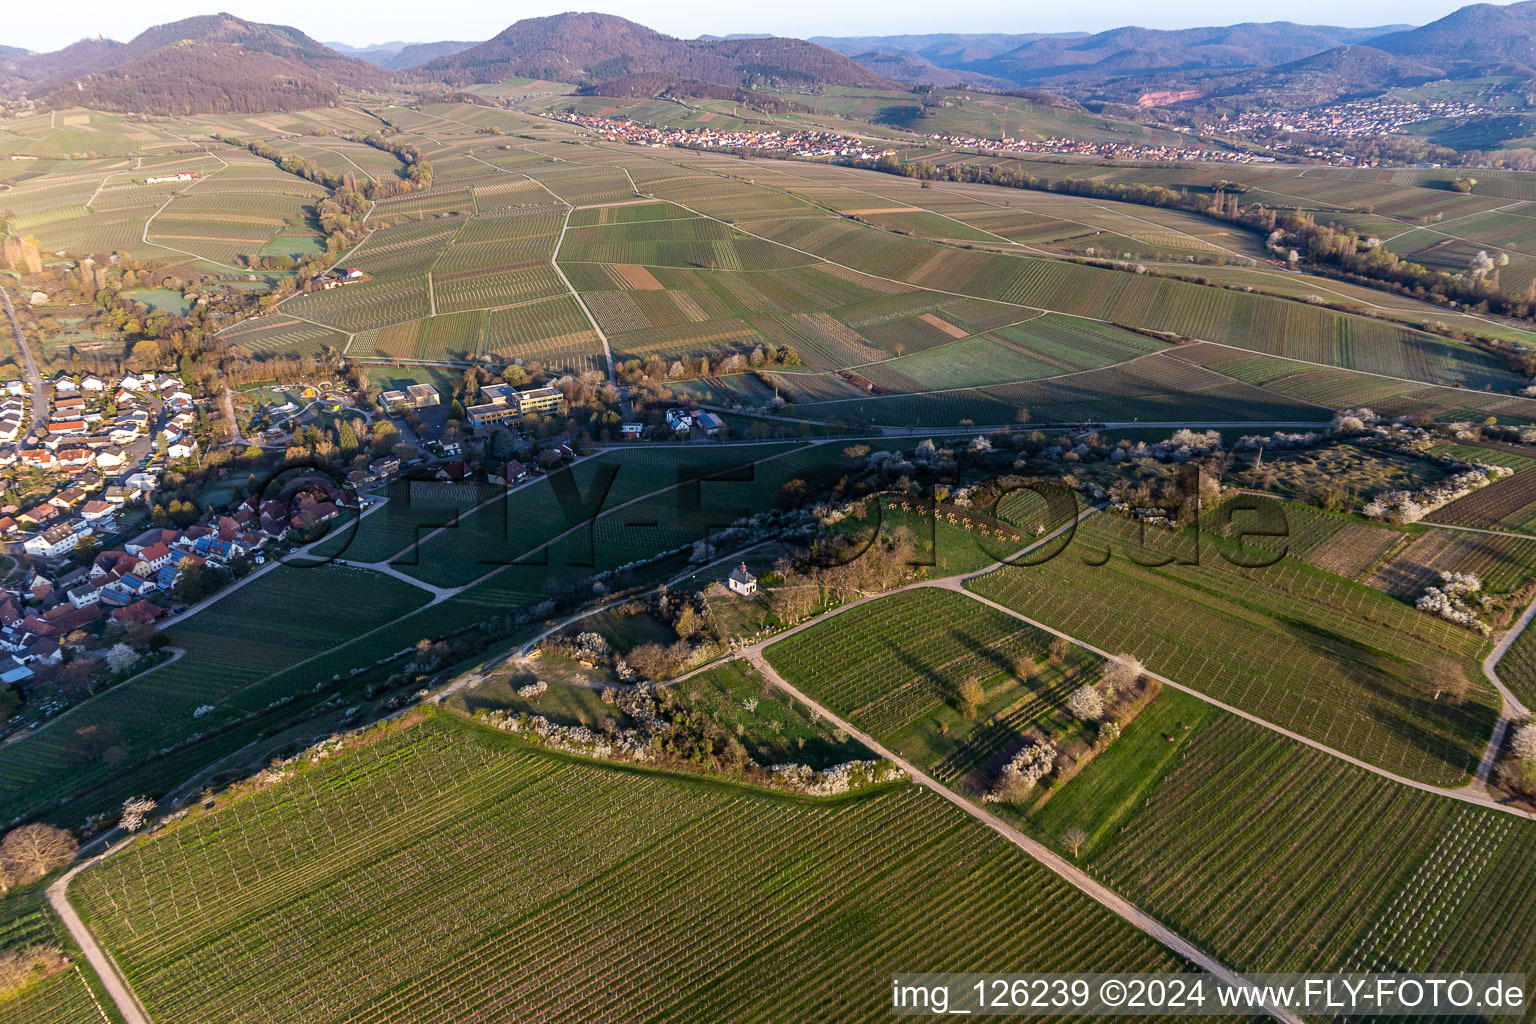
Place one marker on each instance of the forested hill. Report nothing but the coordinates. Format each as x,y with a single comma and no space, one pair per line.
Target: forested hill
590,48
209,64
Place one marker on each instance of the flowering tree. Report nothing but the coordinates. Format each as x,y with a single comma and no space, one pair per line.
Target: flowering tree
1524,745
1020,774
1121,673
121,658
1086,703
1456,599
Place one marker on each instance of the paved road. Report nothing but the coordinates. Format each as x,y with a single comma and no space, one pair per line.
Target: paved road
34,376
101,962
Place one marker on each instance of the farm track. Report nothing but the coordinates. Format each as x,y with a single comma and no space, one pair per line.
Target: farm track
1048,858
101,961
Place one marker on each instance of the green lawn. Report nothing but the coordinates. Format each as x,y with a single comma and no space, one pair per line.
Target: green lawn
1112,787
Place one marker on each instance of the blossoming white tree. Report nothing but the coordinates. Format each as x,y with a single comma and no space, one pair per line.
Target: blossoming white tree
1022,772
1524,745
1086,703
121,658
1456,599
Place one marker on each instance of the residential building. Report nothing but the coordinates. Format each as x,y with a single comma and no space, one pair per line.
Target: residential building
56,540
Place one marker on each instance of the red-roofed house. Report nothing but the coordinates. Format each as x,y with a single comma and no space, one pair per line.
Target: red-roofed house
140,613
157,555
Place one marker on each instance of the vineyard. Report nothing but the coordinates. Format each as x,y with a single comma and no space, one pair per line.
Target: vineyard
1506,504
70,995
1504,564
1517,669
1326,657
607,536
570,890
1454,895
892,663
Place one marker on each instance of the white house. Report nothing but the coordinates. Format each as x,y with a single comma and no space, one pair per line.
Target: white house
181,448
741,581
92,383
84,594
56,541
111,458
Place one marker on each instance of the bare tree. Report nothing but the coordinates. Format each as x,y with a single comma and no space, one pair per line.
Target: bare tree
971,695
1074,839
136,811
1444,677
1057,651
31,851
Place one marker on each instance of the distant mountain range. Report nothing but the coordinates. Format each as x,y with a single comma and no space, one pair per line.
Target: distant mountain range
397,55
1076,61
219,63
586,49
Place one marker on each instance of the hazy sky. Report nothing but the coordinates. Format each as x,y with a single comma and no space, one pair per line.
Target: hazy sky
43,26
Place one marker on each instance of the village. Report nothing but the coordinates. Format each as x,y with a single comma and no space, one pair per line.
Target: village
1101,150
108,558
98,448
1356,119
805,143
